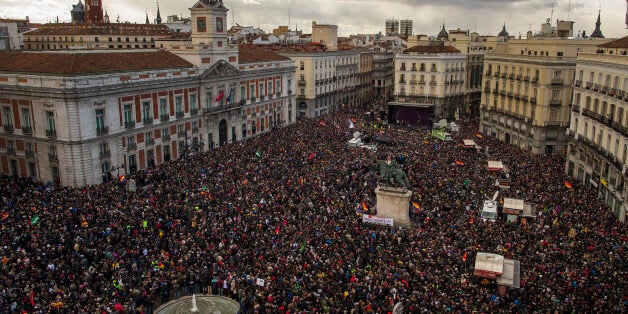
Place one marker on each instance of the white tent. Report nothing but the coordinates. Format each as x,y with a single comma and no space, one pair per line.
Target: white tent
513,206
468,143
495,165
511,275
488,265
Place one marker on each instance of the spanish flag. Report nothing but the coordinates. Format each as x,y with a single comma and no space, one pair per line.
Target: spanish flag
568,184
478,135
417,207
459,162
4,216
364,207
322,123
464,256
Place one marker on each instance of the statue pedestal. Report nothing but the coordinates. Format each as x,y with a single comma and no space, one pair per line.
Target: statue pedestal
394,203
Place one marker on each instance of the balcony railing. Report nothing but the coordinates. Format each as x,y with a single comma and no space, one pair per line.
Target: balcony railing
165,136
179,114
150,141
289,92
526,78
129,124
194,111
102,130
11,150
487,73
8,128
588,85
575,108
51,133
195,130
148,121
577,83
301,82
555,102
535,80
27,130
105,154
432,82
164,117
433,70
519,77
533,100
53,157
413,82
29,153
131,146
557,82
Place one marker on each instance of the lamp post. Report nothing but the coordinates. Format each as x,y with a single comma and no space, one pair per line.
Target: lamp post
117,169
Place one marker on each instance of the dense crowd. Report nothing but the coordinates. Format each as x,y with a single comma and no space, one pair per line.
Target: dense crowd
271,222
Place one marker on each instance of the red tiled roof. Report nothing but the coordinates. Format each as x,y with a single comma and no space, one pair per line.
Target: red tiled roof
102,29
432,49
76,63
248,53
619,43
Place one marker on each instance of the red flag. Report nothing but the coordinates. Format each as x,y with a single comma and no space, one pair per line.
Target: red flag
220,96
4,216
464,256
364,207
32,297
277,229
459,162
471,220
322,123
568,184
478,135
311,156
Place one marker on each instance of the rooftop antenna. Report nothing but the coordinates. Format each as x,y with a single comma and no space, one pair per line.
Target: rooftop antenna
568,10
552,13
290,13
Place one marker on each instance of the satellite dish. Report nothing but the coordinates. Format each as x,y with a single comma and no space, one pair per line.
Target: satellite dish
495,195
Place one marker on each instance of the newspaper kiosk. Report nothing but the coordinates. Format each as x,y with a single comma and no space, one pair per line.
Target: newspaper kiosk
512,208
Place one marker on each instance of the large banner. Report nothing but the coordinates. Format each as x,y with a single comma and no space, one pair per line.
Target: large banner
377,220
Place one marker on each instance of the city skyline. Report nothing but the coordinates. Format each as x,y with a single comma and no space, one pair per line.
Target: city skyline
484,16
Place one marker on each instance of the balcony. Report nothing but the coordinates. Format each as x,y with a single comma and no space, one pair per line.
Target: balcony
29,153
301,82
195,130
413,82
164,117
510,94
278,94
519,77
193,111
504,75
103,130
165,136
179,114
8,128
262,97
104,154
51,133
555,102
402,81
575,108
596,87
554,123
289,92
588,85
432,83
526,78
150,141
253,99
413,69
148,121
487,73
557,82
53,157
511,76
27,130
11,150
535,80
533,100
421,81
577,83
433,70
131,146
497,74
129,124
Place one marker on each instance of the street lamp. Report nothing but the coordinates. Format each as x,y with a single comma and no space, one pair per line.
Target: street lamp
117,169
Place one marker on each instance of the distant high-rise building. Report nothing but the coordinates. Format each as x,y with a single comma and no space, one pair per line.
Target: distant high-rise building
392,27
406,28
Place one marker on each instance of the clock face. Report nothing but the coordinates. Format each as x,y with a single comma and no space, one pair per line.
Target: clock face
200,24
219,26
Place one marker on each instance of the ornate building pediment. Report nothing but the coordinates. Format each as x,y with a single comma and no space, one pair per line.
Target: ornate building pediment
221,69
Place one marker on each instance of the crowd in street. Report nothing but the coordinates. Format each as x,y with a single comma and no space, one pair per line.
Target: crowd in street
271,222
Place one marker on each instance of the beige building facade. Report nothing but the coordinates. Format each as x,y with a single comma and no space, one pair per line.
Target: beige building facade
527,92
598,131
325,34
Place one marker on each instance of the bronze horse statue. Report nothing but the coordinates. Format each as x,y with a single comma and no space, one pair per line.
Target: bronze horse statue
390,175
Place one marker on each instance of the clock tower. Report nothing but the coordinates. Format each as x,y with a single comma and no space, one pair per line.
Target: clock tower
209,35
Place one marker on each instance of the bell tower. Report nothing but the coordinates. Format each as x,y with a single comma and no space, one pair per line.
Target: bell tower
93,11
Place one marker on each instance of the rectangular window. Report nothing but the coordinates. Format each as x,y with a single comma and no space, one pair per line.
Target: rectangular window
193,101
146,110
209,100
128,114
243,130
165,133
104,149
177,104
130,141
32,170
100,119
7,115
261,90
149,137
270,88
26,118
278,86
163,107
252,91
242,92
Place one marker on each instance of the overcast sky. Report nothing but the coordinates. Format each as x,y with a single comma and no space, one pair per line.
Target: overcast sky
360,16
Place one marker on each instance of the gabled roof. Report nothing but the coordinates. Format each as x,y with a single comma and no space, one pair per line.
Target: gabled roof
251,53
618,43
432,49
77,63
221,68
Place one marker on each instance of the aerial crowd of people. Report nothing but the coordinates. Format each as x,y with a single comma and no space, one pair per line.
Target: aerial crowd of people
271,222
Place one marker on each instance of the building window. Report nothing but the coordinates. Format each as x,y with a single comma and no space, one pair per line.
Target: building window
177,104
302,65
100,119
26,118
193,101
146,110
163,107
261,90
242,93
252,91
7,115
128,114
208,99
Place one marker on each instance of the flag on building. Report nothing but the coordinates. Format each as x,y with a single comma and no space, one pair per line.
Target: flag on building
220,96
568,184
229,97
